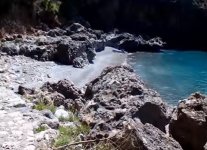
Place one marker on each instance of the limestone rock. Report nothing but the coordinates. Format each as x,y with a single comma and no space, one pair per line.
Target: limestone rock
46,138
118,94
188,124
61,112
144,137
64,87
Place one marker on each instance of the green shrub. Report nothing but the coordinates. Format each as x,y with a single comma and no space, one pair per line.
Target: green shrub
40,129
51,6
42,106
69,134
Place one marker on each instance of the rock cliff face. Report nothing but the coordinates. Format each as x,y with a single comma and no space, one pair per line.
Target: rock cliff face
182,23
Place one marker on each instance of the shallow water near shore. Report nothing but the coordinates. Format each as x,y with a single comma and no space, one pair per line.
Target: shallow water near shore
174,74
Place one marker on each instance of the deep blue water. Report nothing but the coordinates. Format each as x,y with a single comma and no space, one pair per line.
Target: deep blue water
174,74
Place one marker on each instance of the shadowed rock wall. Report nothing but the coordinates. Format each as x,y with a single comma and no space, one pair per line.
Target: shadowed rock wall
182,23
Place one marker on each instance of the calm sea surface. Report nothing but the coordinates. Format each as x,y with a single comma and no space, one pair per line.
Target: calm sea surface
174,74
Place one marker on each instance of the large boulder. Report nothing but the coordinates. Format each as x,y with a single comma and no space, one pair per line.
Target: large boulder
118,94
188,124
120,107
137,136
65,87
68,51
61,93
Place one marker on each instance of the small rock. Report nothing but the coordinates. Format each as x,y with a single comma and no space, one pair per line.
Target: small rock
48,114
61,113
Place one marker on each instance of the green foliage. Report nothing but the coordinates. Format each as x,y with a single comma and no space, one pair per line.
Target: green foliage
72,118
69,134
40,129
51,6
42,106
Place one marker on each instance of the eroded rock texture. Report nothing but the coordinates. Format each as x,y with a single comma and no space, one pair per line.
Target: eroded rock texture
188,124
118,100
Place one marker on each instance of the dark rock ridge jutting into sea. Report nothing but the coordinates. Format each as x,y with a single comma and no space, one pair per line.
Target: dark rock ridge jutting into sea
74,45
181,23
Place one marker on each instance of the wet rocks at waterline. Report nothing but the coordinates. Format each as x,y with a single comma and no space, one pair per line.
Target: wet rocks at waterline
131,43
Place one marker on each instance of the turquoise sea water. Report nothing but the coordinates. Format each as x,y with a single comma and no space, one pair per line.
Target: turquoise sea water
174,74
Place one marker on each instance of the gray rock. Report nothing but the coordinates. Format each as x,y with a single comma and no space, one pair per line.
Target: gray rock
151,112
145,137
75,45
61,113
10,48
67,51
48,114
64,87
75,28
118,94
188,124
205,146
131,43
78,62
24,90
56,32
52,123
57,99
46,138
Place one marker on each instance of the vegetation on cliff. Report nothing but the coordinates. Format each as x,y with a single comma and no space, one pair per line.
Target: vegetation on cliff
181,23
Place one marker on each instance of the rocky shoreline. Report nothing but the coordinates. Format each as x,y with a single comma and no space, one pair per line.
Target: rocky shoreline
74,45
114,110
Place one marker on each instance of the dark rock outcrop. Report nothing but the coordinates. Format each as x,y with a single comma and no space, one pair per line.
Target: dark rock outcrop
60,93
181,23
74,45
131,43
69,51
188,124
